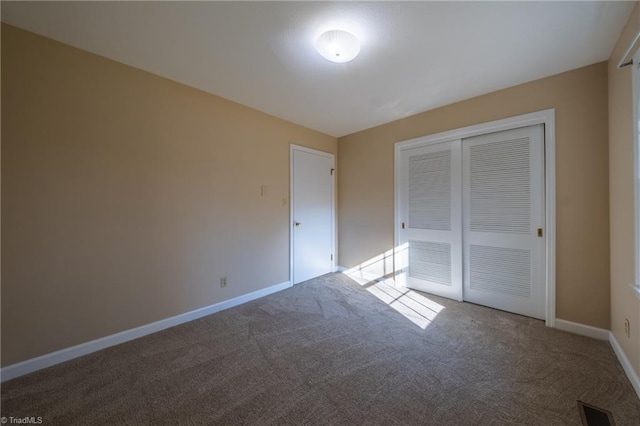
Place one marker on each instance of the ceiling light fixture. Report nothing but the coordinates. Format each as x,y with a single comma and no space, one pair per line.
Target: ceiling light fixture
338,46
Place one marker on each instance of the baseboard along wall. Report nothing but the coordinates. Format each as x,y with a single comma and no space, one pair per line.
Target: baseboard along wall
581,329
564,325
626,364
602,334
29,366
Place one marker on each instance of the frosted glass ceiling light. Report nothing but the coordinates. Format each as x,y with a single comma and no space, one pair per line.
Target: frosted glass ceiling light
338,46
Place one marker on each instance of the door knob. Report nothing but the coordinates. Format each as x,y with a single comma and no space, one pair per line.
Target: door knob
298,224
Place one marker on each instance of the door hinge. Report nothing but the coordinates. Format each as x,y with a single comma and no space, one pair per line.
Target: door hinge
402,225
331,257
332,170
540,232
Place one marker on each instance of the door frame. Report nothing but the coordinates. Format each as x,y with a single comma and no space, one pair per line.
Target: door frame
334,261
635,87
546,117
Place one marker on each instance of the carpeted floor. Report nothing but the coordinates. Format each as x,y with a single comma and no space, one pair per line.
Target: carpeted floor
329,351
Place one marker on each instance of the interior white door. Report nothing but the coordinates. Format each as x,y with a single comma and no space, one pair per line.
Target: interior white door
503,205
430,211
312,213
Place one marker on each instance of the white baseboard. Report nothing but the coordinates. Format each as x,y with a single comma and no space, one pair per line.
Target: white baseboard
341,268
29,366
602,334
25,367
581,329
626,364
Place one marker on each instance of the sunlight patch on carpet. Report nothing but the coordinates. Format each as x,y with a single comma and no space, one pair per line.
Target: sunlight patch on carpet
413,306
376,275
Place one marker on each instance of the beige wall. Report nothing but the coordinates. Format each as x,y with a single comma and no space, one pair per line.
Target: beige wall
365,186
126,196
624,304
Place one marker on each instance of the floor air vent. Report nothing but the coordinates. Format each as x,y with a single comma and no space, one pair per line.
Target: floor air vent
594,416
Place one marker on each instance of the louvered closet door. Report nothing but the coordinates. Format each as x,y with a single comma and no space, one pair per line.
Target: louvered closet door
430,202
503,206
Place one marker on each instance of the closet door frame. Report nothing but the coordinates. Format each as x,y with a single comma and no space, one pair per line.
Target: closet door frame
546,117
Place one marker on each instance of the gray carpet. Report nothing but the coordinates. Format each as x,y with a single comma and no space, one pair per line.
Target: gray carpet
329,351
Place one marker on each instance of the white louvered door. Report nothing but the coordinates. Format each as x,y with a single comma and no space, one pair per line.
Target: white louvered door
503,208
430,207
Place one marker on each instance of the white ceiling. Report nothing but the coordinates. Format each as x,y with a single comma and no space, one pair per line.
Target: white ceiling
415,56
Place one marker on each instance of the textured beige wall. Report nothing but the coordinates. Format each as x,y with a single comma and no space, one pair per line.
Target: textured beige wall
624,304
365,187
126,196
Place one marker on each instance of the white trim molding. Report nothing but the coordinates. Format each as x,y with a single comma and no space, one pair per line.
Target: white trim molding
626,364
635,87
582,329
602,334
546,117
29,366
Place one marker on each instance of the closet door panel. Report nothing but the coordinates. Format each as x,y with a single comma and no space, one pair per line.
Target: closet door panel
430,210
503,208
